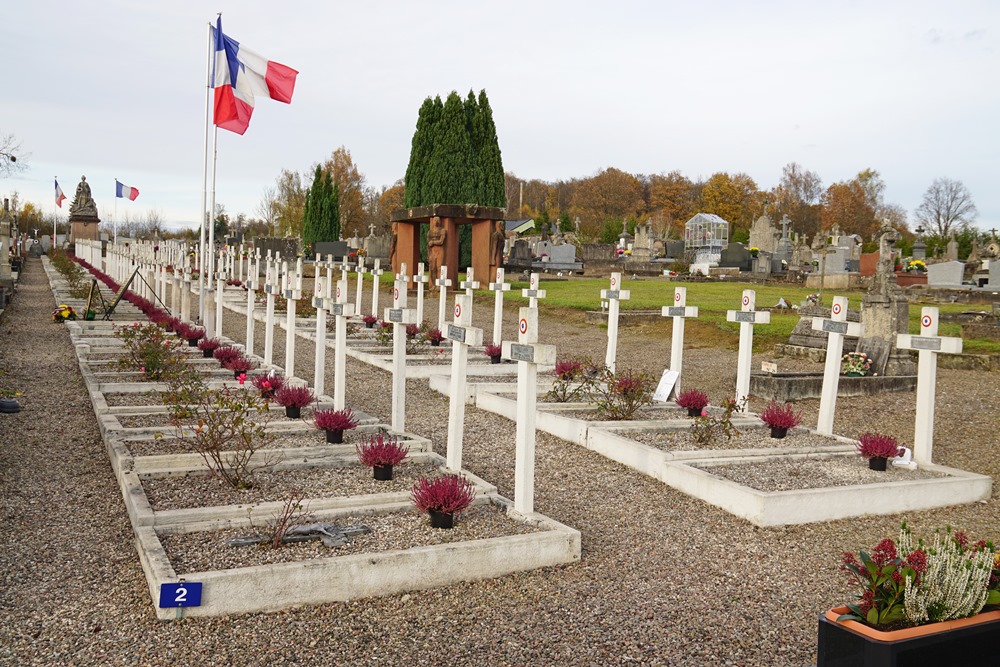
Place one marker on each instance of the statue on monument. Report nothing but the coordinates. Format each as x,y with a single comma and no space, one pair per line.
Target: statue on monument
497,239
437,238
393,240
885,277
83,205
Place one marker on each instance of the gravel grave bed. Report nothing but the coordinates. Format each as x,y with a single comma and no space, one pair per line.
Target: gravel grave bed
591,414
151,421
134,399
749,438
171,445
200,490
813,474
205,551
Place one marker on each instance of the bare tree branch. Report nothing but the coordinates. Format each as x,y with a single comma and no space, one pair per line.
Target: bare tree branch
947,207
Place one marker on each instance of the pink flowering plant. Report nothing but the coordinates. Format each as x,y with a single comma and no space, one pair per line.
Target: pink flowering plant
574,379
620,395
381,449
777,415
239,364
294,397
434,336
493,350
335,420
267,385
225,354
693,399
209,344
877,445
856,362
149,351
449,494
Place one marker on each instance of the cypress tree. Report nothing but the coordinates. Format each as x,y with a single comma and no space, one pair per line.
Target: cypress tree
421,147
491,189
333,208
311,221
449,179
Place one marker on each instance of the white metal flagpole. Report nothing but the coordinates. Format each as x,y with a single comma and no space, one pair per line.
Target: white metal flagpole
114,218
204,177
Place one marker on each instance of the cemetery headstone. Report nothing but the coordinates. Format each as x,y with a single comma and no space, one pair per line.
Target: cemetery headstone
498,288
946,274
613,295
678,312
836,326
400,316
748,317
462,334
443,283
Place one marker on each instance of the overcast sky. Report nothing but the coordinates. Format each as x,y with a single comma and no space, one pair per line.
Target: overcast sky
117,89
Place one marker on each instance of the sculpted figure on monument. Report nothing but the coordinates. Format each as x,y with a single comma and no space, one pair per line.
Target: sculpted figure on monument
393,240
437,237
83,204
496,244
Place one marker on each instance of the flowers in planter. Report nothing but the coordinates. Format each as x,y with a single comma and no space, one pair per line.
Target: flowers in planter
754,250
294,397
209,345
239,364
620,395
268,385
335,420
693,401
813,299
876,445
856,362
434,337
225,354
778,416
574,379
493,351
916,265
192,333
380,449
447,494
369,321
914,583
63,312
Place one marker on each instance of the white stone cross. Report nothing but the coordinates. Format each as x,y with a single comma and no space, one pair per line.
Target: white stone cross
837,327
272,286
185,293
532,294
528,353
678,312
498,288
470,283
241,252
443,283
252,282
345,266
321,300
400,316
747,317
376,272
293,292
220,289
361,271
341,310
613,295
420,279
462,334
929,345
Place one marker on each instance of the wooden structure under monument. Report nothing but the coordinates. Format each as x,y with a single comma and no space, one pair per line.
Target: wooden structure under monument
442,239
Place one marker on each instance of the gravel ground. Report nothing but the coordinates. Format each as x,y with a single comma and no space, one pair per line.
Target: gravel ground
812,474
72,590
749,438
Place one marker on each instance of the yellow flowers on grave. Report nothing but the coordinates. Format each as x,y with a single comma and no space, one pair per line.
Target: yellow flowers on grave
63,312
917,265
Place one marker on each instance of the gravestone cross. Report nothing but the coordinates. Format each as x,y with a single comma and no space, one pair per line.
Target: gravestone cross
252,283
498,288
272,282
220,290
185,293
929,345
420,279
747,317
678,312
613,295
400,316
470,283
376,272
361,271
321,299
462,334
532,294
341,310
837,327
293,292
528,354
443,283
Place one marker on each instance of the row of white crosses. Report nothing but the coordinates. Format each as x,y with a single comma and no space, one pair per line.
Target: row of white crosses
400,316
678,312
293,293
836,327
747,316
613,295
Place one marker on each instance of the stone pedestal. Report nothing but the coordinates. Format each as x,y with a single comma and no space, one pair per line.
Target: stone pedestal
83,228
883,317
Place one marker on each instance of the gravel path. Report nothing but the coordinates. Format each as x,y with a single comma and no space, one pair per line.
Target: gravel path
664,579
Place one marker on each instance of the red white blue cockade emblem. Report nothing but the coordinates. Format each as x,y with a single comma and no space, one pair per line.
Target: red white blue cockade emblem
836,309
677,296
926,321
523,326
746,300
458,310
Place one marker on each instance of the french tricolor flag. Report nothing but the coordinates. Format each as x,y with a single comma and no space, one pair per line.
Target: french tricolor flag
238,75
124,191
60,197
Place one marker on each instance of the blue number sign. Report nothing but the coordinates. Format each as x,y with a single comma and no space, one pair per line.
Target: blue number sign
183,594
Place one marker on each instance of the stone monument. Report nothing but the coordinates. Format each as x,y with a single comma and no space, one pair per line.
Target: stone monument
885,312
83,218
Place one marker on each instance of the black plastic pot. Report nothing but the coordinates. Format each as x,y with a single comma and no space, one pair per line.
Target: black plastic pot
384,474
694,412
778,432
192,342
495,360
293,411
207,353
442,519
877,463
9,405
334,436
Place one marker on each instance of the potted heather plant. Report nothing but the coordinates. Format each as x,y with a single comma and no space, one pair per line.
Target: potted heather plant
239,365
335,422
693,401
878,449
434,337
442,498
294,399
193,335
268,385
225,354
780,418
208,346
493,351
369,321
411,331
381,452
917,600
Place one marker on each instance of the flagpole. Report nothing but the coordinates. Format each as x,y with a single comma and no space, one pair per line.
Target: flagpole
114,218
204,178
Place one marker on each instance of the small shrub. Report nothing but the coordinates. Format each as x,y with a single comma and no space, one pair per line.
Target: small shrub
620,395
412,330
292,514
876,445
707,428
209,344
335,420
268,385
493,350
381,450
149,351
193,333
294,397
225,354
574,380
776,415
175,324
239,364
448,493
369,320
692,399
434,336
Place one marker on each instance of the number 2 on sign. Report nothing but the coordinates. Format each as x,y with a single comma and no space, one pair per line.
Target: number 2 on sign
180,595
